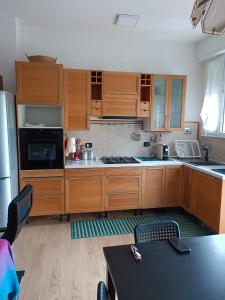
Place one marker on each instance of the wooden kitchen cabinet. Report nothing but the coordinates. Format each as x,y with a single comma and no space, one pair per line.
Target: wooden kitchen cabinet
76,100
167,102
153,186
84,190
121,94
122,188
207,199
48,191
39,83
187,199
173,185
120,105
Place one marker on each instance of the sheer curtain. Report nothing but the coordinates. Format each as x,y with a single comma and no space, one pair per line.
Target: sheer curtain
214,98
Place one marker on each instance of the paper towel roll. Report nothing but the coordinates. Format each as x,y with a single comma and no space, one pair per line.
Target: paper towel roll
70,145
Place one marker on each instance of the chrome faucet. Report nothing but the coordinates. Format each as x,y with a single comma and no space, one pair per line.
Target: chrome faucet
206,149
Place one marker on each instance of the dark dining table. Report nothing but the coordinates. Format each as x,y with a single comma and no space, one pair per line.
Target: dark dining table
164,274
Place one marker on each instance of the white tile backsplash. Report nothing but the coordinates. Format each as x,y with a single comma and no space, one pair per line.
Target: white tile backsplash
115,139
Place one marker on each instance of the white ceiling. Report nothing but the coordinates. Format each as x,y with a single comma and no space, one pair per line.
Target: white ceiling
160,19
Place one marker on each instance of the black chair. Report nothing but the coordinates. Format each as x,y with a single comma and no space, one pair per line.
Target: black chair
156,231
18,212
102,292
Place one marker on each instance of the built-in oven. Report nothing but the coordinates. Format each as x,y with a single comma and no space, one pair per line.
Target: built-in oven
41,148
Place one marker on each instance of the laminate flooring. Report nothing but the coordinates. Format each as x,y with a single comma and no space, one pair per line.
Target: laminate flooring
57,267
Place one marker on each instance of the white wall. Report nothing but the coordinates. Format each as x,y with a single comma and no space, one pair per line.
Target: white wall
89,49
210,47
7,50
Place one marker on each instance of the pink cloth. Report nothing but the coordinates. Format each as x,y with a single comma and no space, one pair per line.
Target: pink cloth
9,284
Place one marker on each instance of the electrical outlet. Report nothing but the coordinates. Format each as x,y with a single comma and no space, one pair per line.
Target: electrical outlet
88,145
146,144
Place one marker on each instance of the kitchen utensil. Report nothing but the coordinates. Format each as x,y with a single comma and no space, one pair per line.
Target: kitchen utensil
84,155
136,136
90,155
187,148
41,59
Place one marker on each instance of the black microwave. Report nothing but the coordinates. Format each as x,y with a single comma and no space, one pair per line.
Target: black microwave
41,148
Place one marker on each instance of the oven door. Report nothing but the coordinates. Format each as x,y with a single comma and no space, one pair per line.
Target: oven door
41,153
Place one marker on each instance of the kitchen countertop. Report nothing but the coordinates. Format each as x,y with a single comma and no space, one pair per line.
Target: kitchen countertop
173,162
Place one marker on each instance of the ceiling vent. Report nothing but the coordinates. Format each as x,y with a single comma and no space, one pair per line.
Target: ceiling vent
126,20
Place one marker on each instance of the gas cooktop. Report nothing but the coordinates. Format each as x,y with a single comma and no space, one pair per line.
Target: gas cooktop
119,160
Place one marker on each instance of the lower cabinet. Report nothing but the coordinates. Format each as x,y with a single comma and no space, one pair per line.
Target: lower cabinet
187,200
153,187
162,186
173,186
84,190
207,192
122,188
48,191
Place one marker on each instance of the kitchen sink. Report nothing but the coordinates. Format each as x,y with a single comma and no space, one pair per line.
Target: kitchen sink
143,158
205,163
201,162
221,171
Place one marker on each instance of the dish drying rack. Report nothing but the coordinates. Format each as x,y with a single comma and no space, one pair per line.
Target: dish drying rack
187,148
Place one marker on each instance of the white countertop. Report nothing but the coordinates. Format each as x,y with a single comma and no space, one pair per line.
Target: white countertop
99,164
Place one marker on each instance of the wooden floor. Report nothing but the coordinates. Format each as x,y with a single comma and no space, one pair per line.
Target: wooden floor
57,267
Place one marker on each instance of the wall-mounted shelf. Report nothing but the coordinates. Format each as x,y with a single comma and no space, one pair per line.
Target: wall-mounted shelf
96,93
145,95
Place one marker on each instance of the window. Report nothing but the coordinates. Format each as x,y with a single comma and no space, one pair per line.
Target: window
213,110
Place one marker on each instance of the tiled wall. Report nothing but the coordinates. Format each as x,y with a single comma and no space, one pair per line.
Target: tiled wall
115,139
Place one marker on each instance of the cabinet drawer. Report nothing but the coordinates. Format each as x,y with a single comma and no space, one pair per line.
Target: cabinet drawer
96,111
122,171
145,113
122,183
145,105
122,201
41,187
84,194
47,206
84,172
96,104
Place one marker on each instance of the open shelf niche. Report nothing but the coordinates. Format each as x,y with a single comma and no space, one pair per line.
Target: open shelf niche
145,95
96,93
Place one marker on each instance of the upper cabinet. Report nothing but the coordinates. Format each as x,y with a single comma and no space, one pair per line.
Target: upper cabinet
39,83
168,102
120,94
76,100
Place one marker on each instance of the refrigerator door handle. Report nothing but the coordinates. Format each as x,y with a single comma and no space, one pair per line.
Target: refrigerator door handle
3,178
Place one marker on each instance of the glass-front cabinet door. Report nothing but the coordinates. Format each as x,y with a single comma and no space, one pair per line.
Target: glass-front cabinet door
159,102
177,88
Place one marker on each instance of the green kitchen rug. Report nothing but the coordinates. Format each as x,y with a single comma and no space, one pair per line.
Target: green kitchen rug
108,227
118,226
189,226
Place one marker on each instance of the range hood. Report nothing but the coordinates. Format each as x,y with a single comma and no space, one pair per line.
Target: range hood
117,118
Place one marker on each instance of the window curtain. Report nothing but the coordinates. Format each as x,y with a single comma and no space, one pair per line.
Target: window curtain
214,98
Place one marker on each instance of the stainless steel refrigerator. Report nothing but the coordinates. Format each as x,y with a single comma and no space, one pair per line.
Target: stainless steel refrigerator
8,154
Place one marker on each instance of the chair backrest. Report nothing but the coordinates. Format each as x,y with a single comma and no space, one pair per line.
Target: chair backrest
18,212
102,293
156,231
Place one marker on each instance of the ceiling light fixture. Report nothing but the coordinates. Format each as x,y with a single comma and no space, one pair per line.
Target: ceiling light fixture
212,16
126,20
